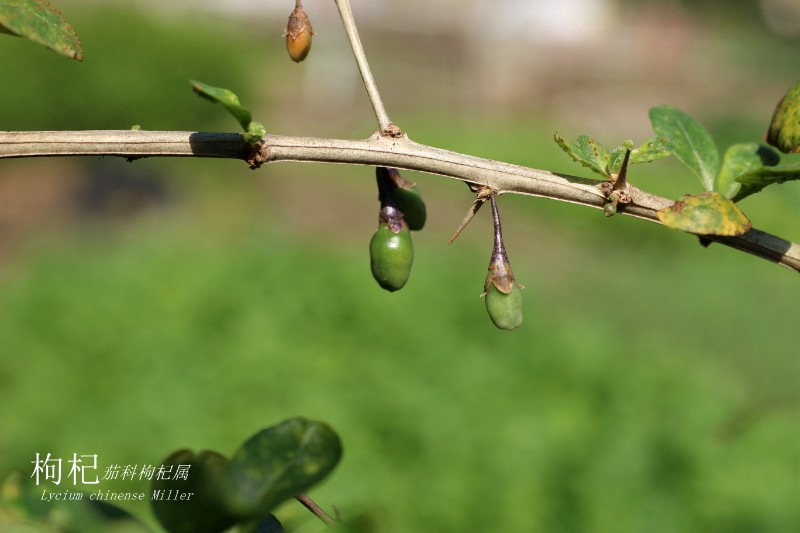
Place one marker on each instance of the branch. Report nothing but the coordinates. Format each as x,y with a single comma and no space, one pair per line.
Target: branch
386,126
378,150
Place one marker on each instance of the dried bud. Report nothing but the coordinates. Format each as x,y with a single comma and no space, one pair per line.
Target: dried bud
298,33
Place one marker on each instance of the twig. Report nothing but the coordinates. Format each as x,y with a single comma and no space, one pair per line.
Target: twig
386,126
378,150
312,506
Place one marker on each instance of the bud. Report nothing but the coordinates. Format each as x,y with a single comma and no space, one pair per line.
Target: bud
610,209
298,33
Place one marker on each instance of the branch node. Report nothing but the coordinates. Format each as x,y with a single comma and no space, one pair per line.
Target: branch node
392,130
257,155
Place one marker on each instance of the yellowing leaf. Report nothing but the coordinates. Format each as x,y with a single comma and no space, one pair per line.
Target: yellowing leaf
587,152
41,22
708,213
784,131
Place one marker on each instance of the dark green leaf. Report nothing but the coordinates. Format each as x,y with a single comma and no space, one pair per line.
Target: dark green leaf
707,213
253,130
268,524
693,145
194,504
784,131
40,22
755,180
740,159
277,464
587,152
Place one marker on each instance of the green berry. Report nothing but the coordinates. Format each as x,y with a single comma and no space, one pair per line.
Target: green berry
505,310
391,255
410,202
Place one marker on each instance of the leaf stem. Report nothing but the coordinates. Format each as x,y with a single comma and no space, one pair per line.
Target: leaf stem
386,126
499,246
320,513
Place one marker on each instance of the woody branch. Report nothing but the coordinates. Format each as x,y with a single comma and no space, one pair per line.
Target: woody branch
378,150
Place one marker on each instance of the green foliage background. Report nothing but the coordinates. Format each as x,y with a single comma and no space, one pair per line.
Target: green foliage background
653,386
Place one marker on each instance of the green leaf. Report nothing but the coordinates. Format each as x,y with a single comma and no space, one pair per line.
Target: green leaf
651,150
254,131
784,131
692,143
587,152
740,159
40,22
194,504
755,180
277,464
707,213
617,157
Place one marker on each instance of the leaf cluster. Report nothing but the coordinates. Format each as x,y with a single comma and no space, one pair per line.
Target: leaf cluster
745,168
274,465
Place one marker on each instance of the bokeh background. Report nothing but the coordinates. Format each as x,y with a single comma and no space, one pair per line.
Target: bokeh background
162,304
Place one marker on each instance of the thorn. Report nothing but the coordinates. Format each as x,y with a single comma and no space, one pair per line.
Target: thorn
621,183
483,194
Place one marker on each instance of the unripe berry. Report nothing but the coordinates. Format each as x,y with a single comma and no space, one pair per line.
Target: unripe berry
298,33
391,255
410,202
505,310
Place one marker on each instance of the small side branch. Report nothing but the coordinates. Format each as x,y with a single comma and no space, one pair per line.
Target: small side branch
386,126
378,150
320,513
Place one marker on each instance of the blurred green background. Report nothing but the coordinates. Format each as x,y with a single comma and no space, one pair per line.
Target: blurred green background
163,304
